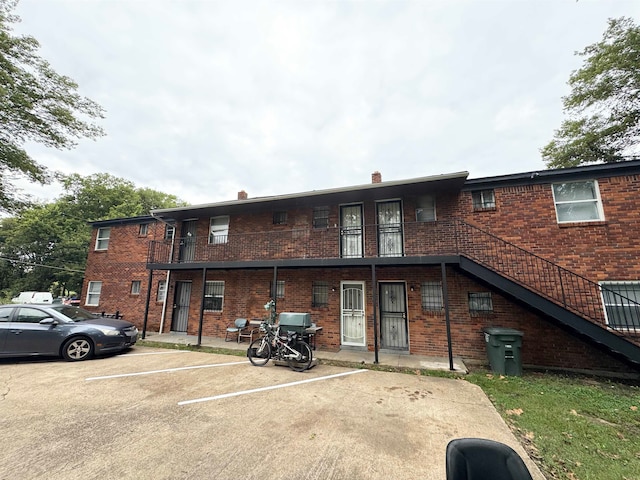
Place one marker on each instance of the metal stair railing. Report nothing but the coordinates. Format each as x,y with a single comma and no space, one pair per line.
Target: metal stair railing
551,281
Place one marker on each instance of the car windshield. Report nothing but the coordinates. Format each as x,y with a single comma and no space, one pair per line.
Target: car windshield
76,314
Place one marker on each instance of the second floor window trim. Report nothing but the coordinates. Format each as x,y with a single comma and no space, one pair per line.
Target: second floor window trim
577,202
102,238
483,200
219,230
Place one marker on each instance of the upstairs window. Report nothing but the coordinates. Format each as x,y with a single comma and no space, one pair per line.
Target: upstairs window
213,296
320,294
480,302
622,304
144,230
426,209
431,294
219,230
577,202
102,238
321,217
168,232
135,287
483,200
280,218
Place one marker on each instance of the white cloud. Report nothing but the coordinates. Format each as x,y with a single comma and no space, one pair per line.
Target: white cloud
204,99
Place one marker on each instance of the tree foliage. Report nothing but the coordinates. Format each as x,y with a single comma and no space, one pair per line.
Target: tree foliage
36,104
45,246
604,103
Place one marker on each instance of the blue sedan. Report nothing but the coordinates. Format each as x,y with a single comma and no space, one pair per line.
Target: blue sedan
61,330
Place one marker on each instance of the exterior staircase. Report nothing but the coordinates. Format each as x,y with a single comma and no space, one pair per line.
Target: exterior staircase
565,297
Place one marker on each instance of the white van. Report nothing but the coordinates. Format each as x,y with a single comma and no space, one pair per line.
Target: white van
34,297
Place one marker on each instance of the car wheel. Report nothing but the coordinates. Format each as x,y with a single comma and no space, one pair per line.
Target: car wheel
78,348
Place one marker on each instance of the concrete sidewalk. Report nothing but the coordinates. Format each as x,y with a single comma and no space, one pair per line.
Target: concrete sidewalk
402,360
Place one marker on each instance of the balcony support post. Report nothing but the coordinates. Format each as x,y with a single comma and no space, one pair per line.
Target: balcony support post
445,294
200,322
274,289
146,306
374,296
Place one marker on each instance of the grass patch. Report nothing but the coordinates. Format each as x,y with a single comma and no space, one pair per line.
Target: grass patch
573,427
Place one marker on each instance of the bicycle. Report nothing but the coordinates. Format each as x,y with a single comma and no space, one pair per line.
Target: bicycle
291,348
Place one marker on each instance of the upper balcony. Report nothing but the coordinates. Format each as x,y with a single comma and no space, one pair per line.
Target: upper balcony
409,239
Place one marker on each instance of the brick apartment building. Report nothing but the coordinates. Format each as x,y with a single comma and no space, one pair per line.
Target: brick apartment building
421,265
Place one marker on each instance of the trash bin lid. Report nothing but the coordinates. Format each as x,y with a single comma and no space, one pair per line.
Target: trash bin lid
502,331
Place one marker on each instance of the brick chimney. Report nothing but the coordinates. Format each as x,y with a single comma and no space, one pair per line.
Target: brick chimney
242,195
376,177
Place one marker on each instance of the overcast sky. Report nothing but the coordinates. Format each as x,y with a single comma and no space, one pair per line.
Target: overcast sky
207,98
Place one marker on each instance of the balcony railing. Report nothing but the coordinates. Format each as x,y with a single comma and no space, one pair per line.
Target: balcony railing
414,239
408,239
549,280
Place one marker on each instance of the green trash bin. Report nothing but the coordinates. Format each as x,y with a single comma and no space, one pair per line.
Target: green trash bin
503,350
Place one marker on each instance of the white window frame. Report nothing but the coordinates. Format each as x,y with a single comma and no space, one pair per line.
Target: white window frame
144,230
214,284
94,290
219,230
615,287
161,294
597,201
136,286
102,238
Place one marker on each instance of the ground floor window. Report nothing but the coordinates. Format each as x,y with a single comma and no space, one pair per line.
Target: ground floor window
320,294
480,302
622,304
93,293
213,296
431,294
279,289
162,291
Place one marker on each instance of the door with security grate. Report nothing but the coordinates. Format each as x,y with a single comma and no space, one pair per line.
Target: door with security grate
180,319
394,327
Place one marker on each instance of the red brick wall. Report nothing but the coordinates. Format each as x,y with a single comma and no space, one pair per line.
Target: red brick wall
523,215
123,262
606,250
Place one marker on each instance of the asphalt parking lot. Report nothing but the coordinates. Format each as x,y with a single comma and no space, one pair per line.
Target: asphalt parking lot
170,414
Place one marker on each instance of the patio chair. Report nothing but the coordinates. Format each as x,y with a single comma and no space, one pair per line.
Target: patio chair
235,329
481,459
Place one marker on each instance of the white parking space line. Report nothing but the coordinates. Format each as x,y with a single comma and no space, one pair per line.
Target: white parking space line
272,387
152,353
151,372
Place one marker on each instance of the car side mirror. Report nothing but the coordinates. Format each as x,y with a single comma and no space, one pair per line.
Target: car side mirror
48,321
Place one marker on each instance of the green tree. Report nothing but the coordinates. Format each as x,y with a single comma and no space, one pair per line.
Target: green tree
604,103
36,104
47,245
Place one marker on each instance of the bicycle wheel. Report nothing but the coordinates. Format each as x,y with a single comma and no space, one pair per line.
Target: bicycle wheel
305,357
259,352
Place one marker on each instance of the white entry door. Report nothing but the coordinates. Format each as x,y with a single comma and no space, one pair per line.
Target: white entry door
353,321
